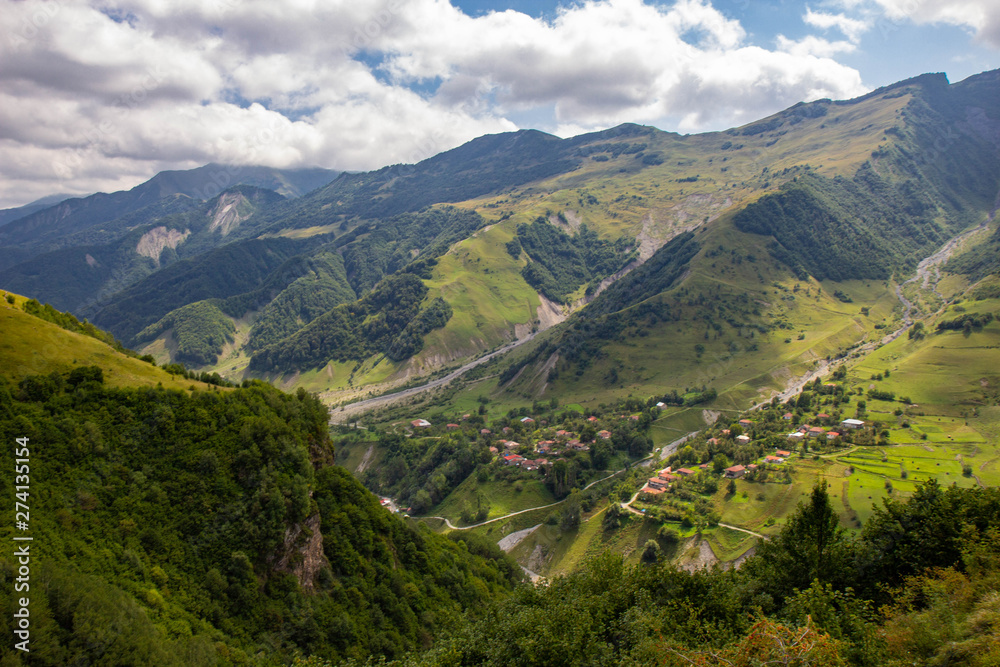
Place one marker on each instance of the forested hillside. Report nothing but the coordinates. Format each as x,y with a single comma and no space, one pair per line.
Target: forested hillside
210,526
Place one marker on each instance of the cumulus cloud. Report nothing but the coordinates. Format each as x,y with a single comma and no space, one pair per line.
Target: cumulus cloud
852,28
980,16
101,95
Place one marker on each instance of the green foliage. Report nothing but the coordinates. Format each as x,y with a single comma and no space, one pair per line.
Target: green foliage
839,230
627,302
560,263
514,248
177,527
979,261
411,339
421,472
386,320
881,395
323,287
390,244
231,270
967,322
811,546
67,321
200,330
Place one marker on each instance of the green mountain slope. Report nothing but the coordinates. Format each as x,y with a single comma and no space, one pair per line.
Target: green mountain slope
92,265
830,192
204,525
48,228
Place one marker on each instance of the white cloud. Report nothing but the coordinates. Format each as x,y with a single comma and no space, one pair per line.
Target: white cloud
811,45
981,16
95,95
852,28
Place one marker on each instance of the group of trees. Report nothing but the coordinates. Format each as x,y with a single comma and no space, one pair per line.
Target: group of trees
177,529
559,263
386,320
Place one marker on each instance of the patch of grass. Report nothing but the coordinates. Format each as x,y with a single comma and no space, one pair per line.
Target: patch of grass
502,497
31,346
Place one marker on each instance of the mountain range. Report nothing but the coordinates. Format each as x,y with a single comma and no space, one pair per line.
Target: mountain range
508,341
625,232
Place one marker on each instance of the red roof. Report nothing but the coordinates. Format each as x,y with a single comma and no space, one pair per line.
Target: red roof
736,468
685,471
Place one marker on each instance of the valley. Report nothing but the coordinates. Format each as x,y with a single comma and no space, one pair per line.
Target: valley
602,365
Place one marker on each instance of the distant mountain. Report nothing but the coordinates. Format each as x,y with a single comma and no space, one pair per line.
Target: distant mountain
99,261
12,214
48,228
516,232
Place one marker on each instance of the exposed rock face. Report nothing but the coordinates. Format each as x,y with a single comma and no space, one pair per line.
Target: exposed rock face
155,241
302,552
231,210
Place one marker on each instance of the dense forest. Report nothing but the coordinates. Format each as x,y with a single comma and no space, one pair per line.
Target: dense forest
183,528
200,329
387,320
231,270
838,229
560,263
309,296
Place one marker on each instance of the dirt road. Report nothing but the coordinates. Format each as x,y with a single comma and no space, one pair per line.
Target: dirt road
347,413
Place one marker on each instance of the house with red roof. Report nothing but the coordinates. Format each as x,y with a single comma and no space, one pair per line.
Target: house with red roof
513,459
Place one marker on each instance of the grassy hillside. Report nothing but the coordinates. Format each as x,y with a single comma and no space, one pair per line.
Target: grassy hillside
33,346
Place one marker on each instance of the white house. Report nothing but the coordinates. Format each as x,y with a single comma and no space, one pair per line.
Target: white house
852,423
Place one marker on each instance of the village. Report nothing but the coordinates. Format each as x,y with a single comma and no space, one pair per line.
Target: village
656,486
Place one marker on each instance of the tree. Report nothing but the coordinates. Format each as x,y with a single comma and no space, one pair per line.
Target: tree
569,518
650,552
731,488
812,546
613,516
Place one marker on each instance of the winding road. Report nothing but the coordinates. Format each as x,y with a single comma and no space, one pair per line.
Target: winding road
344,414
530,509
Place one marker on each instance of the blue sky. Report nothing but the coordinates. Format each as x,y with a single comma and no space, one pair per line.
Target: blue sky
894,48
102,94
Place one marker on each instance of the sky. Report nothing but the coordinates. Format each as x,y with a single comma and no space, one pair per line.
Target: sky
101,95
